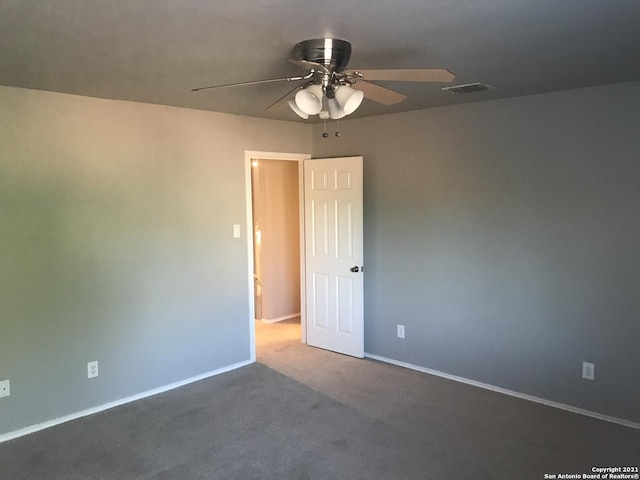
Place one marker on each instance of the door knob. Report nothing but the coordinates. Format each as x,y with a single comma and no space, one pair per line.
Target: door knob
355,269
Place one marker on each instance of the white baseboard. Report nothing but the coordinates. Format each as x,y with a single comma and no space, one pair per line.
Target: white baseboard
90,411
279,319
524,396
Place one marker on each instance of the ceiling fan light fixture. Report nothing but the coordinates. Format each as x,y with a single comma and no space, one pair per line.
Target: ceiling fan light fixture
349,99
298,112
309,99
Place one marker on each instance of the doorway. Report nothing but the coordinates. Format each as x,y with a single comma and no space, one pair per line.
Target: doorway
276,244
330,199
276,240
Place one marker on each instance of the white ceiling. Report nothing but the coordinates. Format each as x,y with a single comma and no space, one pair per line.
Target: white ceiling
155,51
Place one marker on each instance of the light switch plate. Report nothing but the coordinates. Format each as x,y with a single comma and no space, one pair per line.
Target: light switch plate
236,230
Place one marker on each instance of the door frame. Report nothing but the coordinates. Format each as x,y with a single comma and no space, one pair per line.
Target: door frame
250,155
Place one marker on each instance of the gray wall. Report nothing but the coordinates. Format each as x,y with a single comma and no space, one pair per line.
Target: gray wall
505,236
116,245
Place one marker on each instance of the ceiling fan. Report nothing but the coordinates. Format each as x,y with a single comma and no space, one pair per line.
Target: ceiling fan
325,61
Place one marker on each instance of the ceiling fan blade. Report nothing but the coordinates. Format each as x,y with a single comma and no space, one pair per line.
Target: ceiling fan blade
255,82
281,101
409,75
379,94
310,66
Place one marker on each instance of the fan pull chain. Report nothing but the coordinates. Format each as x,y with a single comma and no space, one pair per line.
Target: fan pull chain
325,134
338,128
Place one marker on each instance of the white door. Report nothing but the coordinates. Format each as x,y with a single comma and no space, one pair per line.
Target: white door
334,254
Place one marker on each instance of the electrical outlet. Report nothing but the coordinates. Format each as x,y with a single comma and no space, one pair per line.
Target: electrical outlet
588,371
400,331
5,388
92,369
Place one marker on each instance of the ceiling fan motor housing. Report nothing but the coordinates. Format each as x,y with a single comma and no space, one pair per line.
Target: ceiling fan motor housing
330,52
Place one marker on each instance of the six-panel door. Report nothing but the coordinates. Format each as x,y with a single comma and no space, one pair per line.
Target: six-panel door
333,238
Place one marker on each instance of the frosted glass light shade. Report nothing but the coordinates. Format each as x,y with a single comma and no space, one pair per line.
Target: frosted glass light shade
309,99
335,110
349,98
295,108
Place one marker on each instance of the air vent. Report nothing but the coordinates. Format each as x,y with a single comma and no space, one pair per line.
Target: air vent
468,88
